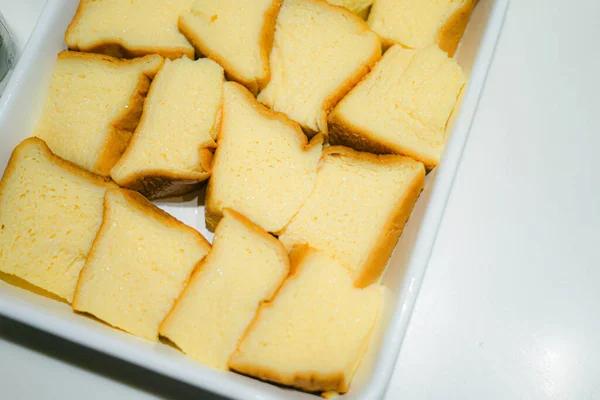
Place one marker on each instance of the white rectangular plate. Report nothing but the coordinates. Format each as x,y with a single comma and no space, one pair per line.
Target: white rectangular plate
20,108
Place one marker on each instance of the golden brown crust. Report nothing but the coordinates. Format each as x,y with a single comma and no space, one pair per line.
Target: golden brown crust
373,267
212,210
389,235
71,167
308,381
266,41
450,34
122,128
157,183
344,133
117,48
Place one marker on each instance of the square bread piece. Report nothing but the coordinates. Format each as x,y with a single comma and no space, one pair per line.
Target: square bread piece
358,7
358,209
237,34
315,332
416,24
245,267
50,212
171,148
129,28
94,104
402,106
139,264
264,166
319,53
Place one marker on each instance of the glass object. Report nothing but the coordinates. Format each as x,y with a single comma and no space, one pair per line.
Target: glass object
8,52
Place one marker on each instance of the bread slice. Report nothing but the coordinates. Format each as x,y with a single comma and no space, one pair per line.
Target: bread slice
50,212
358,7
315,332
245,267
139,264
129,28
93,106
358,209
170,151
264,167
402,106
416,24
236,34
320,52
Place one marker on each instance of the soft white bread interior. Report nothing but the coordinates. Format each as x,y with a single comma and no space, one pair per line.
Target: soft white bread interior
171,148
315,332
245,267
320,52
402,106
358,209
129,28
236,34
50,212
139,264
93,105
358,7
264,166
416,24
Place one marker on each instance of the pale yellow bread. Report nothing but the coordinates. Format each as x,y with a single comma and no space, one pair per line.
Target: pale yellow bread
245,267
139,264
358,7
171,148
358,209
417,24
129,28
315,332
238,34
264,166
50,212
93,106
320,52
402,106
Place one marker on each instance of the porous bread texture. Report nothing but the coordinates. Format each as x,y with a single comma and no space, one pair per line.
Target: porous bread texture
237,34
314,333
50,212
264,167
402,106
416,24
94,104
358,7
358,209
245,267
139,264
320,52
129,28
171,148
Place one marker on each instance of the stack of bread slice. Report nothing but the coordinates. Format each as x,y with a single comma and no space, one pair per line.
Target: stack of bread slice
312,123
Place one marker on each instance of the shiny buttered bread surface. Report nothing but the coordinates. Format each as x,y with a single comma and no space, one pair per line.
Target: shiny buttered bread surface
302,130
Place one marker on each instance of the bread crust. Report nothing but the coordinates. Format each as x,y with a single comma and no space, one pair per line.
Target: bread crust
344,133
450,34
335,97
64,164
378,258
118,48
371,270
158,183
307,381
212,208
122,127
266,40
135,200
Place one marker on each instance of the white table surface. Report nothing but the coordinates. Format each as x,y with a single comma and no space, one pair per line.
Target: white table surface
508,307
